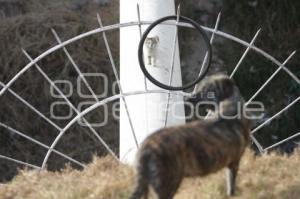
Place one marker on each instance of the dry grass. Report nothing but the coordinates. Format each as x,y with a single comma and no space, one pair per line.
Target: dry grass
270,176
31,30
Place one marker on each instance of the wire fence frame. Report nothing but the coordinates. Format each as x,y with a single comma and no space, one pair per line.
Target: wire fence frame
14,131
113,65
206,54
94,132
175,41
145,78
139,23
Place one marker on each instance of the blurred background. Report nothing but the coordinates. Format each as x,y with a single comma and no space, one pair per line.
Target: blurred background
27,24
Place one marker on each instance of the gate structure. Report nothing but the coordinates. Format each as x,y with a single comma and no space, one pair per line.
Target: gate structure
101,31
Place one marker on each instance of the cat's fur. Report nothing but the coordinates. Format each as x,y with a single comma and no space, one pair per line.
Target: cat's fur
150,50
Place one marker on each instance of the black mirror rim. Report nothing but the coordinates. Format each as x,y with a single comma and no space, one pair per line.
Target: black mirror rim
207,43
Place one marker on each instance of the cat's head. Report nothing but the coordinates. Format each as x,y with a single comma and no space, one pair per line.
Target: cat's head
151,42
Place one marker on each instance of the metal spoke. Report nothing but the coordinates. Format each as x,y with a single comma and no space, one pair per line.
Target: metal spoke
172,64
276,115
245,53
50,81
282,141
101,103
139,18
40,144
260,89
206,54
271,77
75,66
139,23
258,145
118,80
72,106
140,30
205,58
134,23
145,79
20,162
31,107
211,42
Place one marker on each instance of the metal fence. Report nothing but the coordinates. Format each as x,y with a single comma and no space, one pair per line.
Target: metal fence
6,87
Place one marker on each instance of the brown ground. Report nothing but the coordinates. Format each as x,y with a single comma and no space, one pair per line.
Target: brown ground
270,176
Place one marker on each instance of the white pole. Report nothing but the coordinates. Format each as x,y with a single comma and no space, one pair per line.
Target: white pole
147,112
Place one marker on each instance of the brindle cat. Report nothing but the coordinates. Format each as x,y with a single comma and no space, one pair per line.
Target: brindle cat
197,148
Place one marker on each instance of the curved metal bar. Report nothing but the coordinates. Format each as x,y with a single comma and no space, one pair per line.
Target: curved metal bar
71,105
270,78
211,42
98,104
40,144
20,162
75,66
139,23
245,54
206,54
117,26
113,65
